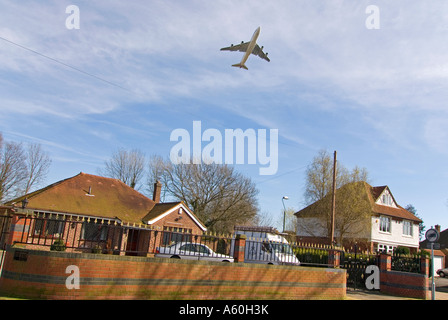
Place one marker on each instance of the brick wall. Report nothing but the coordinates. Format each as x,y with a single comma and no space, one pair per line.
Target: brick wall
41,275
404,284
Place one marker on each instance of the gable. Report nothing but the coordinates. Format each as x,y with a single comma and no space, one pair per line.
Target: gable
385,197
163,210
379,205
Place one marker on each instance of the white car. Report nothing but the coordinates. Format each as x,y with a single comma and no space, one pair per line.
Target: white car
191,251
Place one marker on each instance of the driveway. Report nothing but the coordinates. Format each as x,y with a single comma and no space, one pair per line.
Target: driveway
441,288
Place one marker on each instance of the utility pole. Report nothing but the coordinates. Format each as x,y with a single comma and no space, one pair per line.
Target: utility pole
333,201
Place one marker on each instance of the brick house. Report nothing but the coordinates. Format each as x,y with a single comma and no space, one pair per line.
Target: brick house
441,252
88,209
386,225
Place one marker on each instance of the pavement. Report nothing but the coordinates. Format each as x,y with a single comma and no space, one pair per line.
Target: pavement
440,294
374,295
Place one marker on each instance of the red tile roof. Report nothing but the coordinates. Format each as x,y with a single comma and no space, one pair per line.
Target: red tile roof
400,213
108,198
96,196
373,194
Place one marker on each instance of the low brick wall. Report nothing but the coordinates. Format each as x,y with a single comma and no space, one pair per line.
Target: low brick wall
42,275
405,284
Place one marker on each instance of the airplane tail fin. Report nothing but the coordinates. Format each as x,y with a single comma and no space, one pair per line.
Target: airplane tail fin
239,65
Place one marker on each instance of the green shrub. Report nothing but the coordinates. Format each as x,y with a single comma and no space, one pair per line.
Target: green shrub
402,251
58,245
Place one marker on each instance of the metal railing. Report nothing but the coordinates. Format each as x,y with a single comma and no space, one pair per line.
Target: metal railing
57,232
210,246
406,263
313,255
49,231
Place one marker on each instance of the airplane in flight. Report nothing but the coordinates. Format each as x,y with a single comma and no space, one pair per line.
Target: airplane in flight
250,47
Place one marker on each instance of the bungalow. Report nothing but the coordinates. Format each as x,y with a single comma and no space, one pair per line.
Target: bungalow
370,218
88,210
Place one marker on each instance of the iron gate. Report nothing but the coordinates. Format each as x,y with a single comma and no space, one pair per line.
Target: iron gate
356,265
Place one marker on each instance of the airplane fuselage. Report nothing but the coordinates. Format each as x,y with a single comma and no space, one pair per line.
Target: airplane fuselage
250,48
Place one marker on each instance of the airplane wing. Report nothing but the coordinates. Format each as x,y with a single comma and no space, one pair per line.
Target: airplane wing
239,47
243,48
259,52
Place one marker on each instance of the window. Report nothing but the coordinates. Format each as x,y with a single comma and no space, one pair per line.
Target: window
407,228
385,248
174,235
385,224
188,247
94,231
46,226
202,250
387,199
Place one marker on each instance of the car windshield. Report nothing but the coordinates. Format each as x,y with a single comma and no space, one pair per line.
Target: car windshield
282,248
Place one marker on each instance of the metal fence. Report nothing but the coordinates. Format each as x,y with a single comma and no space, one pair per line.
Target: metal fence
212,247
261,250
312,255
406,263
58,232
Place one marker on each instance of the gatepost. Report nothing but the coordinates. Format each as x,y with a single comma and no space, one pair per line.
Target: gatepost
334,258
385,262
240,247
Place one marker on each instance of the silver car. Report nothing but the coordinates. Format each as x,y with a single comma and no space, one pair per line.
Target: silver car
442,272
191,251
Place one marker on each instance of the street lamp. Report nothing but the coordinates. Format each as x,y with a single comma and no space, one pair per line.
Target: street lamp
284,211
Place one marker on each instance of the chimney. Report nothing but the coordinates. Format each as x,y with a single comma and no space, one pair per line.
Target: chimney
157,190
437,227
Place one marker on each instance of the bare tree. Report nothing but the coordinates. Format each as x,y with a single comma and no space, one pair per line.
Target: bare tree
37,165
21,169
289,218
12,169
156,167
217,194
126,166
262,219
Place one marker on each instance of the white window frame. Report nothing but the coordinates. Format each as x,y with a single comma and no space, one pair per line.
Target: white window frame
407,228
385,224
387,199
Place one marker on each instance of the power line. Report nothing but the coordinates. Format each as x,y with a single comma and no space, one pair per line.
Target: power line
283,174
63,63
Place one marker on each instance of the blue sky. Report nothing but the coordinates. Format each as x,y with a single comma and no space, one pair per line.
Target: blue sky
378,97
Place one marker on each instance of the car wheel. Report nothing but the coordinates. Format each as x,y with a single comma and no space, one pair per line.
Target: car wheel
225,261
175,257
442,274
